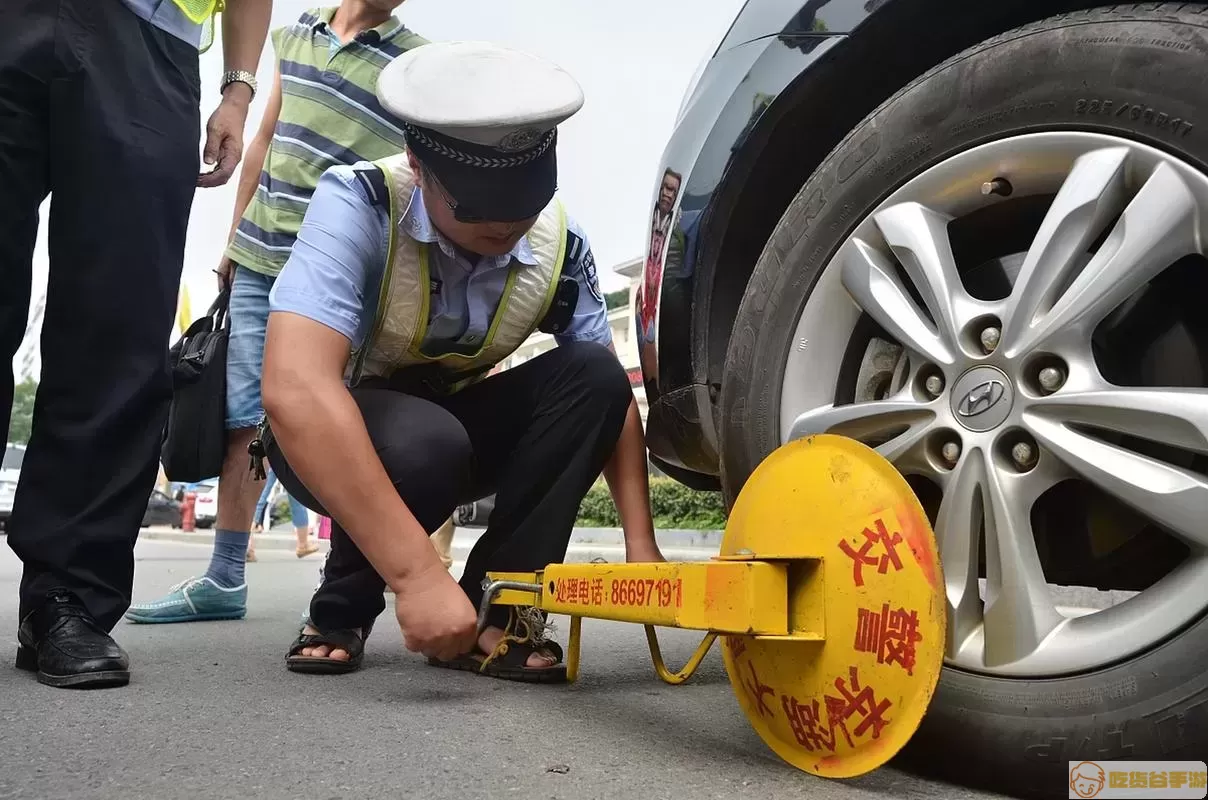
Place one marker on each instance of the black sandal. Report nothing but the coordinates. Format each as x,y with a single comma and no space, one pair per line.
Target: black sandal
349,640
509,662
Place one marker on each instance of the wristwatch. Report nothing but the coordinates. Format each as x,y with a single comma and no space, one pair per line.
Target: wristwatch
240,75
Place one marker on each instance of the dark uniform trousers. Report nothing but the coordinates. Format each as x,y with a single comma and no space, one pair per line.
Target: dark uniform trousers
100,110
537,435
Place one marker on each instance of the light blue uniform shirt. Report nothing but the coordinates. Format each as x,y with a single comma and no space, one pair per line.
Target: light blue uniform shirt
167,16
334,273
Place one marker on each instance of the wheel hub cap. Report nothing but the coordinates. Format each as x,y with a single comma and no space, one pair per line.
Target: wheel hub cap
982,399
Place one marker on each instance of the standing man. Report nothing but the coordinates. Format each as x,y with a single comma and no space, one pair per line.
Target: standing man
321,113
412,278
99,108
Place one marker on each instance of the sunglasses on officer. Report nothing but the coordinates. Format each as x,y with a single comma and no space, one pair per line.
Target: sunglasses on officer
460,212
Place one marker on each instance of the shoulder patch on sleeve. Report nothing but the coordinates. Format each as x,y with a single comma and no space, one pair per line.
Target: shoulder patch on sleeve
373,181
590,276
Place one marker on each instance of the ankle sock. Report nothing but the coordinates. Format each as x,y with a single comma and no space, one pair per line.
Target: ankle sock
230,555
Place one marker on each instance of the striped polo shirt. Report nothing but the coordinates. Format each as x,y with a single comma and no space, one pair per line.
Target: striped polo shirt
329,115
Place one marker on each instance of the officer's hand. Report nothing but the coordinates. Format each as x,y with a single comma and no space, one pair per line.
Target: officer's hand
224,138
225,272
436,617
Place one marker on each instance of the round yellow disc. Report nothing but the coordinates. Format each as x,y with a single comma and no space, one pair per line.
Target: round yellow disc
848,687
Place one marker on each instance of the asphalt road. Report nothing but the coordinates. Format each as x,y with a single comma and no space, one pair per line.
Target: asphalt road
211,712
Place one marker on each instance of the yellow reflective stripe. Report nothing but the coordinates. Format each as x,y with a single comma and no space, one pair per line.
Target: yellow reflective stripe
425,303
552,290
422,330
503,307
198,11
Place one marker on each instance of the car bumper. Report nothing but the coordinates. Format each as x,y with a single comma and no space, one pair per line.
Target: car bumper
718,121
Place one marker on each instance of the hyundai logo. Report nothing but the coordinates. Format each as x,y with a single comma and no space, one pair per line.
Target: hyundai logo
981,398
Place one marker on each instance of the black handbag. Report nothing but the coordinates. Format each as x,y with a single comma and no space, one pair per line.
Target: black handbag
194,443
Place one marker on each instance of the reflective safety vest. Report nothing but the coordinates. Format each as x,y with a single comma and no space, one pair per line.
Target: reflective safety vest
396,340
202,12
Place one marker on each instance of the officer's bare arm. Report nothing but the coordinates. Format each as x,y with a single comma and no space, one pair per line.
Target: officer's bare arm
321,432
244,30
629,483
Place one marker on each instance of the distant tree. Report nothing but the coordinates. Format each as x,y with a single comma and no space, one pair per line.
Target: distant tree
23,411
617,299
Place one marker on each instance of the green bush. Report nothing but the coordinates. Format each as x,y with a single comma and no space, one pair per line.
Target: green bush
278,511
673,505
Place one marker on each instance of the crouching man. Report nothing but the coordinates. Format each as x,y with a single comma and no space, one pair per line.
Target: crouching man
411,278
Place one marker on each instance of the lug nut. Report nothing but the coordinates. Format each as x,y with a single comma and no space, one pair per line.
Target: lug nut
999,186
1024,455
935,385
989,338
951,453
1051,379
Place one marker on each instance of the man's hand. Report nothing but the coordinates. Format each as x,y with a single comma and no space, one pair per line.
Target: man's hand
225,273
436,617
224,136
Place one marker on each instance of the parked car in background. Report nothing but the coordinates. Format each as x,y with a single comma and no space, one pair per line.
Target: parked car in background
10,472
973,236
205,511
161,510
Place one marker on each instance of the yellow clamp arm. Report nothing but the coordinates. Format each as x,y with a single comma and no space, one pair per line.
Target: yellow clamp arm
660,668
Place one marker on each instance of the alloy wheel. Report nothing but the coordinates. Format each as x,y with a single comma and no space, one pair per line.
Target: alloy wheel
998,399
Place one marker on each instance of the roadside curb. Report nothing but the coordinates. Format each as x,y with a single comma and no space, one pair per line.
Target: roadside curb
586,544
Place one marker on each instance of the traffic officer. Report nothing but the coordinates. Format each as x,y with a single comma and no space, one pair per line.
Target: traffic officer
411,278
99,108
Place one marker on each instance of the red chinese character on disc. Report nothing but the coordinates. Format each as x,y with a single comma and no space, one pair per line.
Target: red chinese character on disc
807,726
892,635
757,691
861,558
870,631
855,700
901,636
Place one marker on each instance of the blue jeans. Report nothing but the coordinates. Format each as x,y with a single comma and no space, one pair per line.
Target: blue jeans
245,347
297,512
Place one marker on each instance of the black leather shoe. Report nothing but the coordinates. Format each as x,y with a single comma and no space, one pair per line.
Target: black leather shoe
67,648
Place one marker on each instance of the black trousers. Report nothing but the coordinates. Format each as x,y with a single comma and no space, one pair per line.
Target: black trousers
537,436
100,110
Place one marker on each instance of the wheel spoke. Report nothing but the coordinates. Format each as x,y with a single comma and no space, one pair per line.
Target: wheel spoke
957,529
868,276
1019,611
1092,196
1175,417
895,427
1157,228
918,237
1079,429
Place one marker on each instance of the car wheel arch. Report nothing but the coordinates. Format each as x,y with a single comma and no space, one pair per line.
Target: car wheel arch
760,182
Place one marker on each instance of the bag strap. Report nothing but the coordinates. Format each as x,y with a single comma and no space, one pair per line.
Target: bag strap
220,307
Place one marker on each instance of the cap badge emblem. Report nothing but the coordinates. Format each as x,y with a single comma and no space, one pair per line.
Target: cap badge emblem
519,140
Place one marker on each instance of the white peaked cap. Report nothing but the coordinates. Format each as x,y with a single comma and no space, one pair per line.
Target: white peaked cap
479,92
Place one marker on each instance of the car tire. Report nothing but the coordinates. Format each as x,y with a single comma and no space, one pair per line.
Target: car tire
1132,71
